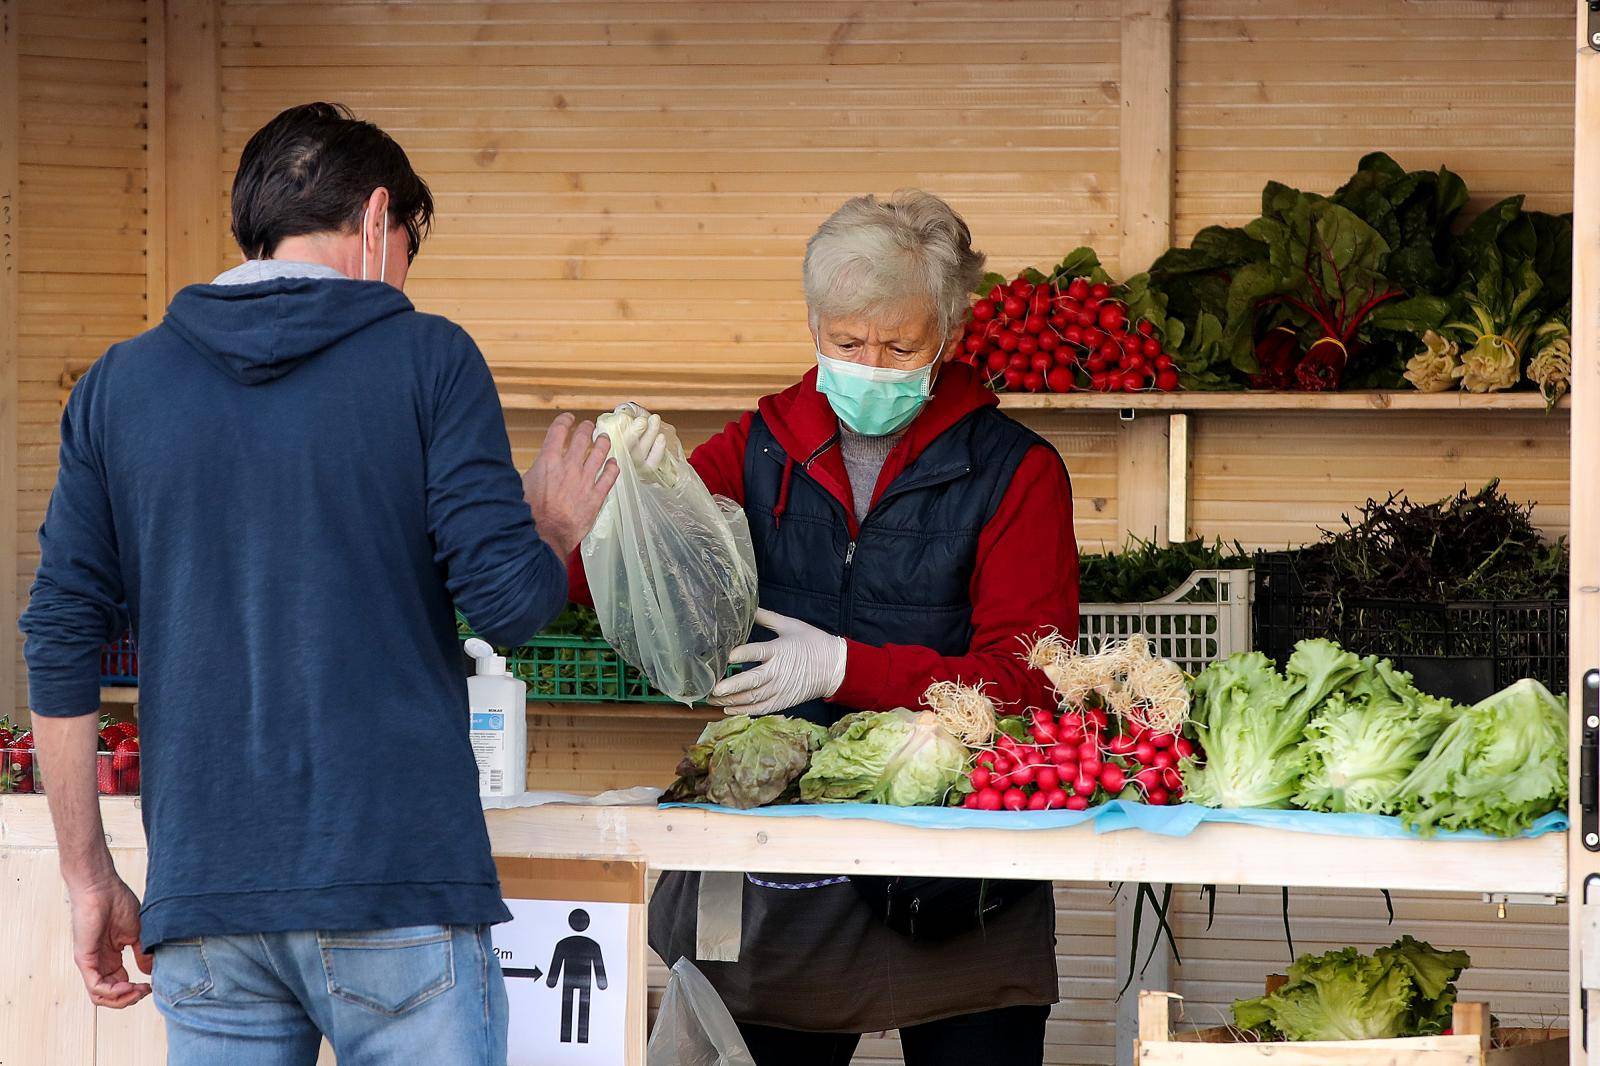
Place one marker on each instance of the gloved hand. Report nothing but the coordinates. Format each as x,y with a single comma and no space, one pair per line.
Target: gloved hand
802,663
647,446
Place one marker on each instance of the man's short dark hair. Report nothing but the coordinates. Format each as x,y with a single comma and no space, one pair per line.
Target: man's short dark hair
311,170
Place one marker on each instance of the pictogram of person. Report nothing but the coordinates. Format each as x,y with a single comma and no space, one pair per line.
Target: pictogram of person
576,963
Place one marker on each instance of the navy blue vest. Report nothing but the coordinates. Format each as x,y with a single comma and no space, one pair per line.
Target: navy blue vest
906,578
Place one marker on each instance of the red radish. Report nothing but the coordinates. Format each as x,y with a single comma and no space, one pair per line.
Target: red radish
1014,307
972,342
1144,751
1084,318
1041,363
1088,750
971,802
1078,288
1112,316
1158,797
1056,798
1022,287
1025,774
1067,772
1004,764
1077,803
1037,801
1047,778
1112,777
1097,715
1133,362
979,777
1035,324
1092,339
1084,784
1148,779
1147,327
1170,778
1014,799
1099,290
1184,747
1121,744
1164,758
1015,326
1063,753
997,362
1048,341
1096,363
1162,740
983,311
1034,382
1163,361
1027,345
1072,334
988,799
1132,381
1007,342
987,759
1167,380
1013,380
1043,734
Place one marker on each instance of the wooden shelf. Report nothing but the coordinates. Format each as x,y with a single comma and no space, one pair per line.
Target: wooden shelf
119,693
682,839
685,839
568,392
673,711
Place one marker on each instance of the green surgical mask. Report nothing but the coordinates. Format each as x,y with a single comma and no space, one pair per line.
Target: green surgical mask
873,400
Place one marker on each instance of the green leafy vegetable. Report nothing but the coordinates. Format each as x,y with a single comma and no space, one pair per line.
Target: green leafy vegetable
902,758
1498,767
746,762
1363,742
1144,570
1401,990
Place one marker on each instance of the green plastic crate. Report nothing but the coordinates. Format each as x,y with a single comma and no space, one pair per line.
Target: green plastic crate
574,670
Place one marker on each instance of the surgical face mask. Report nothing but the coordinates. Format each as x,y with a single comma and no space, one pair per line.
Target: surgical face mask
874,400
383,263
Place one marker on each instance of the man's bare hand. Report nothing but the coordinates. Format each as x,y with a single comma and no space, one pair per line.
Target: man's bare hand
105,921
568,482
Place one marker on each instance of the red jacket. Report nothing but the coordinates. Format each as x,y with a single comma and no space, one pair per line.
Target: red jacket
1026,577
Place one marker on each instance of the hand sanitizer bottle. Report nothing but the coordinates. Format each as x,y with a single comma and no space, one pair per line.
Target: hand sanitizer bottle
498,704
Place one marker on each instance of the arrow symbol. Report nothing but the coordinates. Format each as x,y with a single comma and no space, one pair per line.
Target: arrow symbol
531,973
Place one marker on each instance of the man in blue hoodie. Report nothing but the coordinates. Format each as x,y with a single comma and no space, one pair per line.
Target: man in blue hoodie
284,488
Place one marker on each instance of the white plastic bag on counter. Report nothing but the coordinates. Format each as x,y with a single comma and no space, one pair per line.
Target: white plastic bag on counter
671,567
693,1027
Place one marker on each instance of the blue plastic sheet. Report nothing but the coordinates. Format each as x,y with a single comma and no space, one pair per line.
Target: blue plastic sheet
1176,821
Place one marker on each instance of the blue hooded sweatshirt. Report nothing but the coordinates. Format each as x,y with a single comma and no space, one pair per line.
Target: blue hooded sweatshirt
284,488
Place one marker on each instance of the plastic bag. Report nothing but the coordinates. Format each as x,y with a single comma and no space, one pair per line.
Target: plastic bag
693,1028
671,567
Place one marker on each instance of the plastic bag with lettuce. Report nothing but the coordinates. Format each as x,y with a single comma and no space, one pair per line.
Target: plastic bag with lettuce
903,758
1498,767
1406,989
746,762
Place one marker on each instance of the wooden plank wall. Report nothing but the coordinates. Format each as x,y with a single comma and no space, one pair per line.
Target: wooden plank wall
626,185
82,104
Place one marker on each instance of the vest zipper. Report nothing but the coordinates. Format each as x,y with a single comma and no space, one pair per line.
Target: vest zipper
849,554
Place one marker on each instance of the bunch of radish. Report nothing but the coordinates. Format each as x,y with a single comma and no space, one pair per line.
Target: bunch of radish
1034,334
1074,761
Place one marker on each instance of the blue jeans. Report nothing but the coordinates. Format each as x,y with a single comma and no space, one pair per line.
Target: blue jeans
429,993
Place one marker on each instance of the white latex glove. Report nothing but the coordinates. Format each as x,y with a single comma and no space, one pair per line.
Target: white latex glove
802,663
647,445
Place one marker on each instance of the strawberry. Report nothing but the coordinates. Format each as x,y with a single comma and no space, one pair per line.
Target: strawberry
106,775
117,732
19,761
126,754
5,738
129,780
23,783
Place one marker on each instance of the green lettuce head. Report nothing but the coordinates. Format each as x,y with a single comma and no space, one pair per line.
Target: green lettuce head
746,762
902,758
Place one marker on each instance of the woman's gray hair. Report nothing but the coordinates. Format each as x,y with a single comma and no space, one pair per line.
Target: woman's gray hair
873,253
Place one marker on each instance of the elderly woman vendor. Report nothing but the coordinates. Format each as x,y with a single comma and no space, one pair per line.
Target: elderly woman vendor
906,532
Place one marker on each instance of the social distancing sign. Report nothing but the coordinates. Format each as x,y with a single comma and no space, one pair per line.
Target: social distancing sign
573,959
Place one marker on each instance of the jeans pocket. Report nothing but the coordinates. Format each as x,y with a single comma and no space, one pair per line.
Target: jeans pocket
388,971
181,971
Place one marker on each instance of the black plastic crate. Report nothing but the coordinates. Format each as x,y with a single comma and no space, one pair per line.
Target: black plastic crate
1465,650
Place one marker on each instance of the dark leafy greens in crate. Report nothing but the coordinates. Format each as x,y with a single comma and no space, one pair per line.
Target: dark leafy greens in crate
1144,570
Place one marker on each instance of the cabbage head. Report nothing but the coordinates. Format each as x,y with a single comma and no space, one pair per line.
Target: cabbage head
903,758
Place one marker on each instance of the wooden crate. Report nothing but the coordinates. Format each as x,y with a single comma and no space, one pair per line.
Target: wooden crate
1470,1044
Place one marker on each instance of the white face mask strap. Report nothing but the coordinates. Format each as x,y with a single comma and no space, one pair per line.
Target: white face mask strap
383,262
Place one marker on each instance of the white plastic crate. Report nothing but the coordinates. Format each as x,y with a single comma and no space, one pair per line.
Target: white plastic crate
1191,630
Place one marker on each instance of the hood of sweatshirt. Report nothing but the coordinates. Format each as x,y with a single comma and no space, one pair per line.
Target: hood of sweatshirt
261,331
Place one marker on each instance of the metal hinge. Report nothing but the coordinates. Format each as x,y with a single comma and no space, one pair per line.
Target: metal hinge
1589,762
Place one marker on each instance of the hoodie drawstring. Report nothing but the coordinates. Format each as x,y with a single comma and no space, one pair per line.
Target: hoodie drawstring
783,493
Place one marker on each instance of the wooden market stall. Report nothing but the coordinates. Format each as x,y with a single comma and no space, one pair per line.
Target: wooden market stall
624,190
